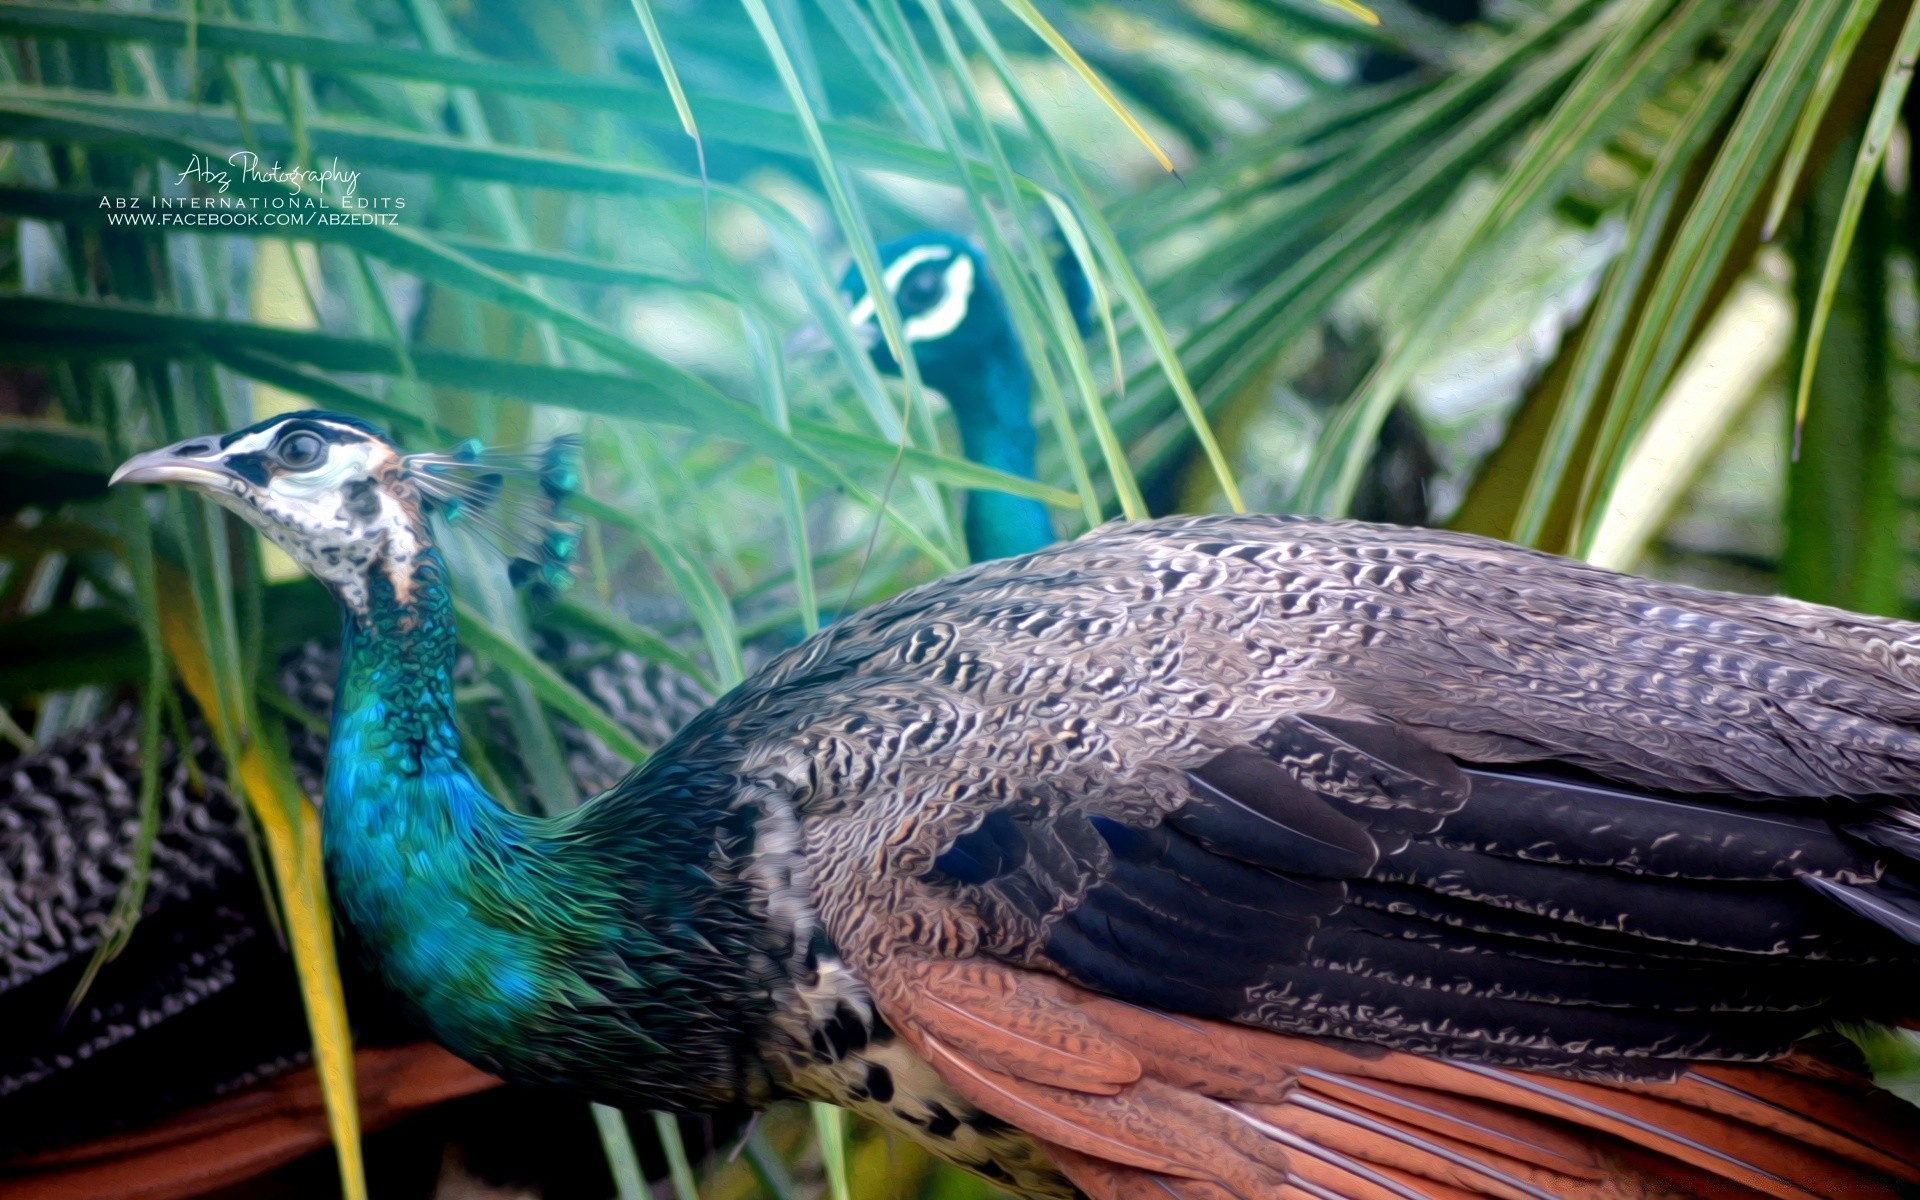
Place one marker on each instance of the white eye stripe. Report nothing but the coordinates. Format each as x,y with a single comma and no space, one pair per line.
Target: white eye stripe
253,443
896,271
944,317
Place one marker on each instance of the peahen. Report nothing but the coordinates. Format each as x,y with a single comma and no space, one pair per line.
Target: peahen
1204,857
207,957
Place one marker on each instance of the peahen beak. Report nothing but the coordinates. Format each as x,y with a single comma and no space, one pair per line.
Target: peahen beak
194,462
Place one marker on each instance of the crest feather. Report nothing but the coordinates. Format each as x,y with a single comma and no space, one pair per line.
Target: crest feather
516,498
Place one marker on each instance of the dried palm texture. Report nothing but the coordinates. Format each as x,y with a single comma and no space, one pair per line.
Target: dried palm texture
202,1000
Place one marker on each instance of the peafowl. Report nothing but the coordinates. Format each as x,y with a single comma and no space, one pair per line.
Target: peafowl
964,342
1205,857
207,956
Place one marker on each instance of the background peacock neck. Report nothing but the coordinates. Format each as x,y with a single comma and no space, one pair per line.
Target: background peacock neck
992,403
595,950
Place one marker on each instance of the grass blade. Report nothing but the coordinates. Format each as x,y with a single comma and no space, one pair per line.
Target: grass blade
830,1129
1112,257
137,547
43,328
291,829
674,1146
616,1142
1866,164
711,610
1621,296
548,685
773,402
671,78
1701,243
619,631
1627,64
1065,331
1025,10
1832,70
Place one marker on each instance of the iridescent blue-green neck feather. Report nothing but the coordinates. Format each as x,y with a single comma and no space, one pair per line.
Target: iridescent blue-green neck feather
992,405
600,951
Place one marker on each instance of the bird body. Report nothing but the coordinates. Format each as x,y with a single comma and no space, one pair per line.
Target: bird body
1204,857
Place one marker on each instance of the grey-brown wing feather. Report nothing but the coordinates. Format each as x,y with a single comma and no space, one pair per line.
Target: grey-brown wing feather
1365,782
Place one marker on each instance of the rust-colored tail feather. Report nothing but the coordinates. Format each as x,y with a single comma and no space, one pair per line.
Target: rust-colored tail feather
1134,1104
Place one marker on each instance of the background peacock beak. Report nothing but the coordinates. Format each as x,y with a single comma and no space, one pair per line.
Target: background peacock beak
810,339
190,462
807,341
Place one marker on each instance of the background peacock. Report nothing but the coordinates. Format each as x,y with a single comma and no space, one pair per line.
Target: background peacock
1244,856
208,940
966,347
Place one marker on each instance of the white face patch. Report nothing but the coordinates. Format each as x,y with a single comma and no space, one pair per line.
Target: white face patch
946,313
945,316
335,519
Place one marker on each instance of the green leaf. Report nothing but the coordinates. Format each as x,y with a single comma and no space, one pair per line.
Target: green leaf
37,328
1025,10
1622,294
1845,520
47,463
1113,258
548,685
671,78
1732,188
830,1127
679,1169
618,631
731,120
1866,164
616,1140
1624,66
65,648
1832,71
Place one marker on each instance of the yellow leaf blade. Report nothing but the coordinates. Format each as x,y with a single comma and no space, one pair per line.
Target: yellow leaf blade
291,829
1025,10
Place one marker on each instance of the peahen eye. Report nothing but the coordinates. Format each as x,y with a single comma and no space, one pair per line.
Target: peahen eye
921,289
301,450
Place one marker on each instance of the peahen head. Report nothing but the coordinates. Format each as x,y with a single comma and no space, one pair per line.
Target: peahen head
955,318
330,490
346,504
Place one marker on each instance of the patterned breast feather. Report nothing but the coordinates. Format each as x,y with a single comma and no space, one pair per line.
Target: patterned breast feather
1113,830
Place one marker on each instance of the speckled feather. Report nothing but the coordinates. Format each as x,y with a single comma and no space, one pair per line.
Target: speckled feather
1066,701
1095,673
1210,856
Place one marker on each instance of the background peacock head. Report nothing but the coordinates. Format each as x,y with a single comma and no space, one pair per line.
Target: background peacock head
950,309
955,318
345,502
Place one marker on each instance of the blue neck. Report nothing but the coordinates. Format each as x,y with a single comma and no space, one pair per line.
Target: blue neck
992,404
614,951
405,824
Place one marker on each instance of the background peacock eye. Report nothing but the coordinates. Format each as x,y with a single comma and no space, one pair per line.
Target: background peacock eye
301,450
921,289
